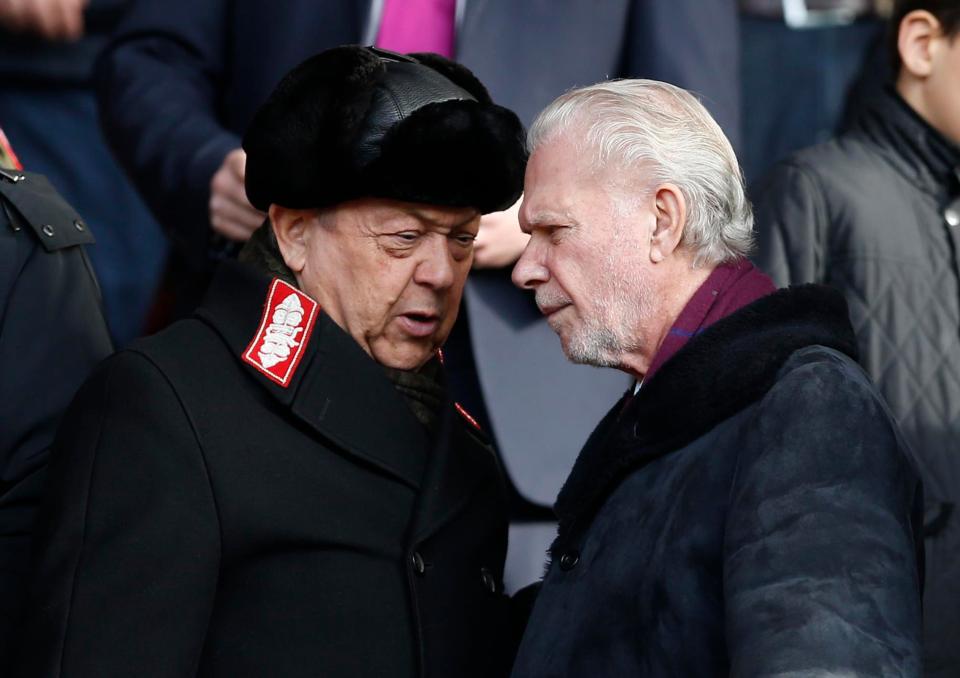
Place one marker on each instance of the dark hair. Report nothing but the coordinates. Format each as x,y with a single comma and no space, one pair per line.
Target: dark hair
947,13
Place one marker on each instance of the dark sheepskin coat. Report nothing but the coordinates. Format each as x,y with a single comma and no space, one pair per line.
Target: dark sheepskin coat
751,512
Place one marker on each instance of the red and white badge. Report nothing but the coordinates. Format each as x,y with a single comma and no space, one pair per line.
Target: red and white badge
278,346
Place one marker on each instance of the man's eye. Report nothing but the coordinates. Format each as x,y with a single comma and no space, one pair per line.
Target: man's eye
407,236
465,239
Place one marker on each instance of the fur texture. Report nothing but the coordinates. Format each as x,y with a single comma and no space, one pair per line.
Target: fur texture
730,365
302,147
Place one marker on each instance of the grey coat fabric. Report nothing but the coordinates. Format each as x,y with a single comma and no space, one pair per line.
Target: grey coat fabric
864,213
752,512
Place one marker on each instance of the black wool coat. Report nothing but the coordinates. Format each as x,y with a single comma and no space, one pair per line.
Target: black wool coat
205,521
752,512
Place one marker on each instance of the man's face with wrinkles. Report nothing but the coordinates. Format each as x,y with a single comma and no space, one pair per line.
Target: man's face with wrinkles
391,274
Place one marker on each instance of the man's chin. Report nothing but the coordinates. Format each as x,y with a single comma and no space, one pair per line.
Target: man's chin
408,353
585,352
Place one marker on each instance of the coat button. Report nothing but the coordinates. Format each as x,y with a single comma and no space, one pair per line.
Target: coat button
488,580
47,230
78,225
416,560
569,560
952,215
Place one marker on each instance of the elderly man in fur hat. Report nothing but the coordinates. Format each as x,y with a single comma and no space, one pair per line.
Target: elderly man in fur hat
280,485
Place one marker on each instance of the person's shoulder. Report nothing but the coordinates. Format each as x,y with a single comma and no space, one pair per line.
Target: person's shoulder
823,422
189,344
820,372
826,393
839,165
29,203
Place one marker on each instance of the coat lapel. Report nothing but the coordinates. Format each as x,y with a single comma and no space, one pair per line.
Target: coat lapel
459,464
337,389
347,397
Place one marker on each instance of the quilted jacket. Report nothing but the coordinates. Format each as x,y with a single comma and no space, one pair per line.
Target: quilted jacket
751,512
866,213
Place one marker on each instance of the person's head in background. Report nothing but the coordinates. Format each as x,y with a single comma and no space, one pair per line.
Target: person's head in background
926,52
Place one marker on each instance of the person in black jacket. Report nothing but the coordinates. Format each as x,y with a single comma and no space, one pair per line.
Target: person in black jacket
749,508
280,485
875,213
52,334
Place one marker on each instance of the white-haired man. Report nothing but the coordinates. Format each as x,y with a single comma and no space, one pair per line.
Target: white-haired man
749,508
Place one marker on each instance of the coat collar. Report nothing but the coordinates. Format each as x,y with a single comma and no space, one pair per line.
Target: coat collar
719,372
337,389
919,152
345,396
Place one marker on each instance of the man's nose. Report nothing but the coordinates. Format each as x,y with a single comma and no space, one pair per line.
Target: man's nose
435,269
529,270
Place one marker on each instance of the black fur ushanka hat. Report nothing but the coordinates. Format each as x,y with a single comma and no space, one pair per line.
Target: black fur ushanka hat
355,122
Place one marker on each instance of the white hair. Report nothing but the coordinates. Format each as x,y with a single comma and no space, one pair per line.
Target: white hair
663,131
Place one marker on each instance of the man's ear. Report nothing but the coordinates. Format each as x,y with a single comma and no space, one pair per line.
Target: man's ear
289,227
670,209
919,30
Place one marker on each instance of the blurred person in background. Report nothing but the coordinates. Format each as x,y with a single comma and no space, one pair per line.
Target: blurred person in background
876,214
52,334
182,79
47,106
805,67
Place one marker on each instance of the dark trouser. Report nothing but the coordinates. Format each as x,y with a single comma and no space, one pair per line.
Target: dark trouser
796,85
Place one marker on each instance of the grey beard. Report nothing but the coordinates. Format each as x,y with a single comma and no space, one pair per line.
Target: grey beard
597,346
604,342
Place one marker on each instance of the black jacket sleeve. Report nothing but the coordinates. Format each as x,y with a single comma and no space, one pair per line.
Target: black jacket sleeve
129,541
159,87
790,217
52,334
820,558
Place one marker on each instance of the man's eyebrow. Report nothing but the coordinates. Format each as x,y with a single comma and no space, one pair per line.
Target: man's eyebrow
549,218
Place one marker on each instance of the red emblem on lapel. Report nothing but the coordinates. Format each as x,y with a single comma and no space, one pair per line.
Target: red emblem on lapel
278,345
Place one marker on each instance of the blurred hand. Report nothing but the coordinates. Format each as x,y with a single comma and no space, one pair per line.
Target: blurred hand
231,214
500,241
51,19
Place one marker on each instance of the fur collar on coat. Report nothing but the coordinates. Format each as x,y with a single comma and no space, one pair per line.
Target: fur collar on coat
719,372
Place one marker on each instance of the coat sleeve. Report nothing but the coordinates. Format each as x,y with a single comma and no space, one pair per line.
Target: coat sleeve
128,540
694,44
790,220
820,561
159,86
52,334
